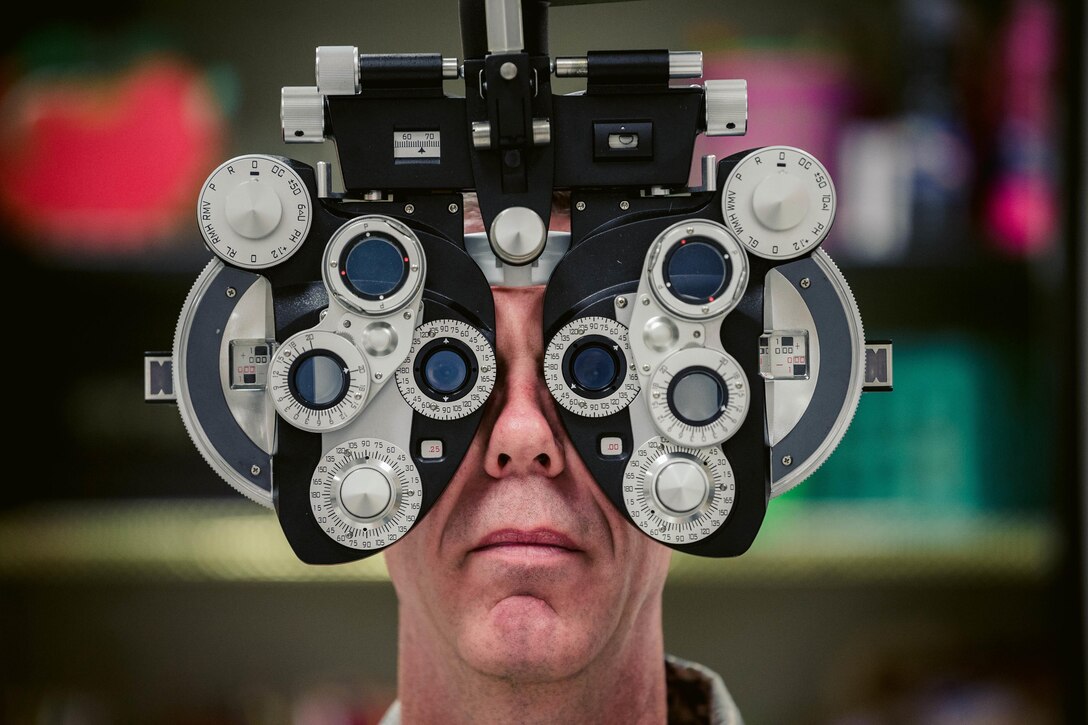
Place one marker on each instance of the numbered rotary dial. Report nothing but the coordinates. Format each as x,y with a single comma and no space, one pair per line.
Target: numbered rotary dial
589,367
449,372
254,211
320,381
698,396
678,494
366,493
779,202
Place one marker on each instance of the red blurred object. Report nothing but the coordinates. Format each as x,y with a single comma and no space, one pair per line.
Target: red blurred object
107,164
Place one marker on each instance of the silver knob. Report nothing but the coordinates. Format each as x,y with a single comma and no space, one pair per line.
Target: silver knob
366,492
302,114
726,107
253,210
685,64
337,70
518,235
681,485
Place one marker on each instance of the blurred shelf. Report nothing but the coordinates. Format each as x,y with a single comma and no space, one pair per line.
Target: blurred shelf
801,542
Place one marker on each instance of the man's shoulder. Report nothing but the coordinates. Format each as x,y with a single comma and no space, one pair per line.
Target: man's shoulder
697,694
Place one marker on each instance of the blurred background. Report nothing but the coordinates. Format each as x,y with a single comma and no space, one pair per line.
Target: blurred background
929,572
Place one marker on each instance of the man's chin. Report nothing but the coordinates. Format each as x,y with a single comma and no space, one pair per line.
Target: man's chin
523,639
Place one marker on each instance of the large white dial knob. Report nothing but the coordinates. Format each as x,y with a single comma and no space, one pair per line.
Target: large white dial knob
254,211
366,493
779,202
681,485
678,494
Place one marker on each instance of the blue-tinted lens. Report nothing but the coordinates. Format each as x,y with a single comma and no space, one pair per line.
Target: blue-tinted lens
593,368
445,371
696,271
319,381
697,396
374,267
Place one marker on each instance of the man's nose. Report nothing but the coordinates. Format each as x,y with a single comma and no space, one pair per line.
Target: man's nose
524,440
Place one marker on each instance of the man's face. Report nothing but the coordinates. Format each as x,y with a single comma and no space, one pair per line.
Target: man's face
524,569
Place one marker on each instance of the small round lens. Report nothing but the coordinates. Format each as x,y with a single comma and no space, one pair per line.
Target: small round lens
593,368
319,380
445,371
697,270
697,396
374,266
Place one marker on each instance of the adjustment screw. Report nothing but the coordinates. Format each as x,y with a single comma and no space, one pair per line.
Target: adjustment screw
621,302
407,314
231,292
409,209
787,460
625,205
580,206
645,300
645,368
347,323
509,71
453,208
696,334
321,315
255,470
806,283
377,376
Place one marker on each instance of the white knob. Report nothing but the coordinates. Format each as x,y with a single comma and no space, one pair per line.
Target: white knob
366,492
780,202
337,70
302,114
681,486
253,210
518,235
726,107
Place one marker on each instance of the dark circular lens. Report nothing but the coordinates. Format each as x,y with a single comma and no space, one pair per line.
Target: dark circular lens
697,396
697,270
318,380
593,367
445,370
374,266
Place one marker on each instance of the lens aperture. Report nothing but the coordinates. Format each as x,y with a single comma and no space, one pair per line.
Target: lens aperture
697,396
319,380
593,367
697,270
445,370
374,266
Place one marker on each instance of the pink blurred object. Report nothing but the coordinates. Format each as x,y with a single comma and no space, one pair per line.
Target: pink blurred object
1021,211
107,164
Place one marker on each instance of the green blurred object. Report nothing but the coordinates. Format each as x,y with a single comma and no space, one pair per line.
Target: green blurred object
955,436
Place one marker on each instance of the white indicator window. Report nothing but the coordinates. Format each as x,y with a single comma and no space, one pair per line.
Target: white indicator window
623,140
783,355
249,363
611,446
431,449
416,145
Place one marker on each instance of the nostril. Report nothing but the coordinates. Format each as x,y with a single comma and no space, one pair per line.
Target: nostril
543,460
503,460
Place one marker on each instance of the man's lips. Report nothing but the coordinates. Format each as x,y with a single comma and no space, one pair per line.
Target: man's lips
511,538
